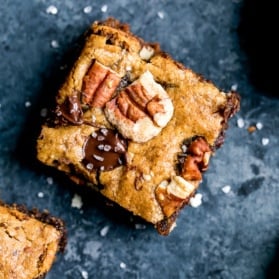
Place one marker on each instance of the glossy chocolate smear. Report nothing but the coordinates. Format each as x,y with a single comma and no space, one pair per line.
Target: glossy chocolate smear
104,150
70,111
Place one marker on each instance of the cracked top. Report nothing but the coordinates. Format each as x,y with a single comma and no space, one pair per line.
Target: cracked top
29,241
159,107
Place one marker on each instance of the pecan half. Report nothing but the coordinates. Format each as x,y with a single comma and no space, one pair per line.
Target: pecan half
197,159
174,194
141,110
99,85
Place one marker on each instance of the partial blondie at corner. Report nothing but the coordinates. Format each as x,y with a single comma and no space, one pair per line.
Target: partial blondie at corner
135,124
29,242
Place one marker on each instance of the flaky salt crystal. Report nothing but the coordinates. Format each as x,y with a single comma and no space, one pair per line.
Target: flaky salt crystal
51,10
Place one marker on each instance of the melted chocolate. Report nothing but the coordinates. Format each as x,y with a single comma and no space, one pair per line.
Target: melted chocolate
70,111
104,150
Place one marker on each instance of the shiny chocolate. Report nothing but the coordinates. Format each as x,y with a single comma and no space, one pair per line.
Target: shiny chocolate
104,150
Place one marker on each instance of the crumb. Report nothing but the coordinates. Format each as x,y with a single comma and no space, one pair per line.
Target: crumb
226,189
54,44
76,201
259,125
196,201
84,274
265,141
161,14
87,9
104,8
251,129
27,104
104,231
51,10
41,194
43,112
240,122
122,265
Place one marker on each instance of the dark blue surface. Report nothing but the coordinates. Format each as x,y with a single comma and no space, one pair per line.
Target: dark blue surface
233,235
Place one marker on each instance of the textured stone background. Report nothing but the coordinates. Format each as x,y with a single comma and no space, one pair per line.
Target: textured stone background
233,235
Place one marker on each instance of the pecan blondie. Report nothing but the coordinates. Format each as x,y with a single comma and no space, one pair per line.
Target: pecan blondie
135,124
29,241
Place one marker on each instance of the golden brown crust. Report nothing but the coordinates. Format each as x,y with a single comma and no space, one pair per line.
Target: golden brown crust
29,241
199,110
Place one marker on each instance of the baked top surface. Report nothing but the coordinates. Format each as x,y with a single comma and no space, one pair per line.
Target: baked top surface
28,245
193,108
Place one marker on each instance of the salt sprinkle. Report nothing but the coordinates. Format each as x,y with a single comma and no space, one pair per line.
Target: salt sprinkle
43,112
240,123
161,14
41,194
196,201
52,10
104,231
140,226
259,125
104,8
122,265
27,104
234,87
76,201
84,274
265,141
226,189
87,9
49,180
54,44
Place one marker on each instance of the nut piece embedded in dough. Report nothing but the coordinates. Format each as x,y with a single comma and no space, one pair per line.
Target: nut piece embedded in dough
146,52
99,85
141,110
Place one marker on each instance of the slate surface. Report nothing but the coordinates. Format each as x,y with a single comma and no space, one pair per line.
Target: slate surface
231,235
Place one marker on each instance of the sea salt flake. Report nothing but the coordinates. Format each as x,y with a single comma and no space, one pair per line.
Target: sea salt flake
265,141
140,226
54,44
196,201
259,125
41,194
84,274
161,14
90,166
104,231
122,265
226,189
104,8
234,87
87,9
240,123
49,180
76,201
43,112
51,10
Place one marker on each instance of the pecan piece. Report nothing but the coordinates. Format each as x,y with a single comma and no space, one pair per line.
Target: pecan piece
141,110
197,160
99,85
174,194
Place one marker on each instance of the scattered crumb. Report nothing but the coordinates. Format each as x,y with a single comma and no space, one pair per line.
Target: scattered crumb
104,8
122,265
259,125
76,201
226,189
51,10
140,227
27,104
84,274
161,14
87,9
251,129
41,194
49,180
104,231
240,122
54,44
234,87
43,112
265,141
196,201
